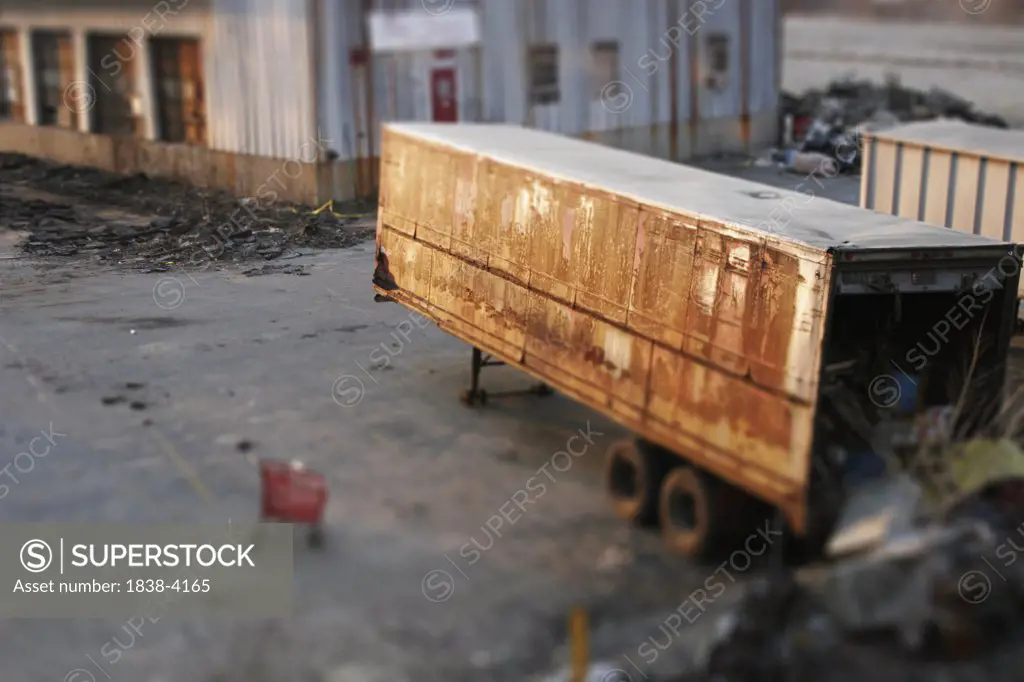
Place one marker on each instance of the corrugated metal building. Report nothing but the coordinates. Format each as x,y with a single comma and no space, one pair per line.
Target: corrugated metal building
239,68
286,79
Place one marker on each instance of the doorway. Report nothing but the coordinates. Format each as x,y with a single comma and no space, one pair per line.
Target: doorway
444,102
179,90
54,75
111,65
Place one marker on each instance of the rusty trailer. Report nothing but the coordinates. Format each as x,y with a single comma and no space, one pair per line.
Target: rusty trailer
755,358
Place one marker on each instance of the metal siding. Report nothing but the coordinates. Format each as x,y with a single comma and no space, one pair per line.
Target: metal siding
573,66
980,193
994,199
333,77
1012,215
650,52
884,176
683,70
724,102
1017,215
940,166
867,182
351,40
503,86
912,163
922,204
260,79
896,179
661,111
968,169
763,94
603,20
467,62
951,190
493,80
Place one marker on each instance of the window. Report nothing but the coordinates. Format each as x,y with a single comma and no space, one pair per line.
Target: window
543,68
112,66
605,68
51,54
718,60
9,76
179,90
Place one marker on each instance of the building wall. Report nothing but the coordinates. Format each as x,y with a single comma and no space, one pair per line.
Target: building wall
659,104
256,59
260,78
261,131
185,18
267,95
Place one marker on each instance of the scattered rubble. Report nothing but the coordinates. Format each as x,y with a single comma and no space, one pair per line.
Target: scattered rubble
155,224
912,591
823,126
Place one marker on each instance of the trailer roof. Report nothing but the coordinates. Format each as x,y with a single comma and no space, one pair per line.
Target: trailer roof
816,222
956,136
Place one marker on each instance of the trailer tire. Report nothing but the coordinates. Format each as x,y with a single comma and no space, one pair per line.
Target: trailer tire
633,472
686,507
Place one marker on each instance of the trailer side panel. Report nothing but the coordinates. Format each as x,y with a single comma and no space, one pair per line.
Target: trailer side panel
693,334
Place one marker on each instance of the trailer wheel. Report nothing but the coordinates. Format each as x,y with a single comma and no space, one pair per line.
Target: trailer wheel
686,507
633,473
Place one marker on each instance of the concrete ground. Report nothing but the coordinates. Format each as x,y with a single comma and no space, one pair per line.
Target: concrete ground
207,360
414,476
155,381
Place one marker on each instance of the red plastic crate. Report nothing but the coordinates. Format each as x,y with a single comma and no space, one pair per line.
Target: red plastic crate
291,493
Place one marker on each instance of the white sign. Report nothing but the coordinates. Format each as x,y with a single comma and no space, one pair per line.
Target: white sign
419,30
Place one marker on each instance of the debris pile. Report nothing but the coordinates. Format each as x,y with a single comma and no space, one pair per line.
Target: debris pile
912,590
155,224
826,123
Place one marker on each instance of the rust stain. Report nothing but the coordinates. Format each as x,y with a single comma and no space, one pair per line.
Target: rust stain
596,357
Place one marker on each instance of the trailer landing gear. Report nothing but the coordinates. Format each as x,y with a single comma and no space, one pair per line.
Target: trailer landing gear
474,395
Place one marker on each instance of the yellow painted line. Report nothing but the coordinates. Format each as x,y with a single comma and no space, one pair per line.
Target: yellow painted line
186,469
579,643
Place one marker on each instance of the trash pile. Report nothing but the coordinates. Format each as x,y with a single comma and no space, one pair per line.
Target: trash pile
918,586
821,128
154,224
